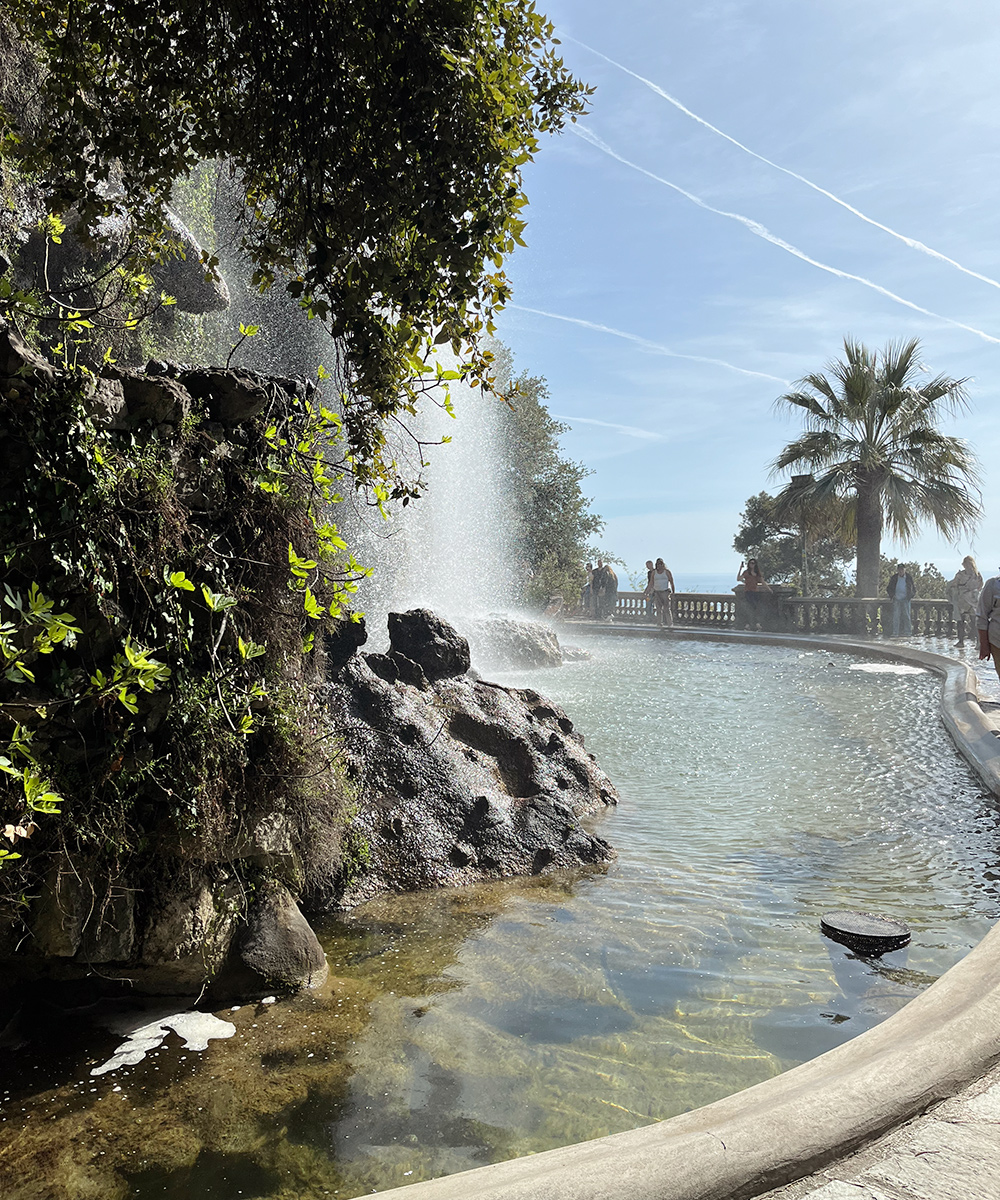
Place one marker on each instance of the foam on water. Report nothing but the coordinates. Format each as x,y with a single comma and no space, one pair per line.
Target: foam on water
887,669
196,1029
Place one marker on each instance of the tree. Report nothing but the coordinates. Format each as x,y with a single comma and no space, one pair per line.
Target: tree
377,150
777,544
872,440
552,518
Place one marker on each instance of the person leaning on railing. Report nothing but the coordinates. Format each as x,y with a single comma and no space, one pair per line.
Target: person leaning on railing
988,620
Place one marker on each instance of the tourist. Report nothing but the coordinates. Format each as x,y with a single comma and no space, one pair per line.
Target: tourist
988,621
963,592
901,590
753,584
660,585
648,593
605,591
586,593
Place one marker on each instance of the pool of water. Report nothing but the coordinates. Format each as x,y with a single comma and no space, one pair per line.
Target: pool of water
760,787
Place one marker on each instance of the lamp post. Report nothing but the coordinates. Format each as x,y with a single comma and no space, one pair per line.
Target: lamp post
799,483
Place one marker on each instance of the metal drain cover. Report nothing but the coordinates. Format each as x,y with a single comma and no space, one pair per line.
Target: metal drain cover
865,931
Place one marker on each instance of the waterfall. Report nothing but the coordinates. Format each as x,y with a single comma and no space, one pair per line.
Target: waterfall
453,549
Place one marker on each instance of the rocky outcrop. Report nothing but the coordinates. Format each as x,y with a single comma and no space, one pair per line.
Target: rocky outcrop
21,368
504,643
79,255
459,779
431,776
423,638
277,945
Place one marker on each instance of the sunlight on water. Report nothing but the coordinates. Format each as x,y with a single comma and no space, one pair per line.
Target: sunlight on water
760,788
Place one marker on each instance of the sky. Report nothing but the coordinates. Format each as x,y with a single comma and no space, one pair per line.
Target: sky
667,330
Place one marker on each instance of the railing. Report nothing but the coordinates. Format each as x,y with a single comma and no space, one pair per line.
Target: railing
689,608
795,614
866,618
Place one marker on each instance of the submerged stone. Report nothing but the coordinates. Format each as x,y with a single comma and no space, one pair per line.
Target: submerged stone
867,932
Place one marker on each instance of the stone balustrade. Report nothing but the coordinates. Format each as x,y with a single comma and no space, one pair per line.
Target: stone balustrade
781,611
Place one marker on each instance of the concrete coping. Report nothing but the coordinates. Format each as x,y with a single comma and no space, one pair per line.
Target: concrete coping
795,1123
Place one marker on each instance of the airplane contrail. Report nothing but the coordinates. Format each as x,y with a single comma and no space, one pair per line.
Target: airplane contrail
630,430
652,347
908,241
762,231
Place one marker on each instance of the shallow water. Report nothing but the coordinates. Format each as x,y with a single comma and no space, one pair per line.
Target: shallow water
760,787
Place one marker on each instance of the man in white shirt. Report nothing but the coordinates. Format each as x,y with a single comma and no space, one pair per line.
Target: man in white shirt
988,620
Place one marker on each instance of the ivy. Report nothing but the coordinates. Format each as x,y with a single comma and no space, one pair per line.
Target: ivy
143,633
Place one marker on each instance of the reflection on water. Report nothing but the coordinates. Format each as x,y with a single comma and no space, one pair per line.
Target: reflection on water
760,788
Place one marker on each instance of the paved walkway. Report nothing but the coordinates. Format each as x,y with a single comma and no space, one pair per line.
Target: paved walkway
949,1153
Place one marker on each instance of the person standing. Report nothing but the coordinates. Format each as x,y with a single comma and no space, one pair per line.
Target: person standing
605,588
988,621
587,591
901,590
753,584
648,593
660,586
963,592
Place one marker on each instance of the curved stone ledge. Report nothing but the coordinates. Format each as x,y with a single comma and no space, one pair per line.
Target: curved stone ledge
797,1122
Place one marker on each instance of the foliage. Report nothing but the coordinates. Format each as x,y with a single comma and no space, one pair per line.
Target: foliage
872,435
432,107
155,592
776,543
551,515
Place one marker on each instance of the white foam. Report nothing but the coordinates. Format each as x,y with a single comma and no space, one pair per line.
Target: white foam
887,668
196,1028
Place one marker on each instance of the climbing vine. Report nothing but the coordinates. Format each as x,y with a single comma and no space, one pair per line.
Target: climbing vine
157,582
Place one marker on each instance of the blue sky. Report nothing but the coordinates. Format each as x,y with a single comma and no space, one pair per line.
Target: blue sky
894,108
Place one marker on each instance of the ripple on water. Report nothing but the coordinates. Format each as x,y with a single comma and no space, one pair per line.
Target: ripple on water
760,787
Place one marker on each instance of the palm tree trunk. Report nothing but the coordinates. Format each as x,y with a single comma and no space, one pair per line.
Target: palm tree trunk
869,526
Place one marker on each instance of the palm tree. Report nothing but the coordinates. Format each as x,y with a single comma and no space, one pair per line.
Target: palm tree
872,439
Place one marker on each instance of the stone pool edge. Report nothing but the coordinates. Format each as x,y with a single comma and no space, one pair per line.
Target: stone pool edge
795,1123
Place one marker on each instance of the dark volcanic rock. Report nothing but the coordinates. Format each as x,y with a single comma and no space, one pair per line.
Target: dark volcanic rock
278,945
231,396
150,398
425,639
459,780
343,641
21,367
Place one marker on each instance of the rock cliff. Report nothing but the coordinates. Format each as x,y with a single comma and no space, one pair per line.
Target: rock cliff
351,774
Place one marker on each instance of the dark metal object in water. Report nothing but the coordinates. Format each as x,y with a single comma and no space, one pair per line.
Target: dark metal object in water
864,931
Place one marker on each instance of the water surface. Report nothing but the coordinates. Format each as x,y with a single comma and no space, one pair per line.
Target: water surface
760,787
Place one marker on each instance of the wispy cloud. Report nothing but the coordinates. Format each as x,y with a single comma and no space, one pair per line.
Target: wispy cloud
908,241
645,344
762,231
646,435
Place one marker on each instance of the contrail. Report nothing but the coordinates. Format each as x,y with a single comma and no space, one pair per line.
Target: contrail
761,231
652,347
631,430
908,241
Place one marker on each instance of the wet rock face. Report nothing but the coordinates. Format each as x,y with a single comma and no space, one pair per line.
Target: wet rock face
505,643
277,945
422,637
459,780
